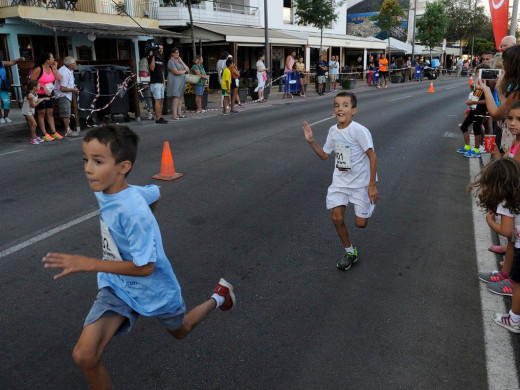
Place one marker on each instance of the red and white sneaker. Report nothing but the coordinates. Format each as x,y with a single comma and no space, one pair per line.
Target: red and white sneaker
225,289
505,321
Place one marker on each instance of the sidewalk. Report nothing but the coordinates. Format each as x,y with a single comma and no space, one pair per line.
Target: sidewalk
19,129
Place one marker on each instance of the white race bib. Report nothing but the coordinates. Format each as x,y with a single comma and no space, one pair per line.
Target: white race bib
342,155
110,249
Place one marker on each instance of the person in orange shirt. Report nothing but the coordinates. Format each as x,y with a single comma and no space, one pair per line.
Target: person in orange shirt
383,71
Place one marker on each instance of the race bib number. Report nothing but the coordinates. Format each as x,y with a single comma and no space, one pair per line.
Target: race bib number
342,155
110,249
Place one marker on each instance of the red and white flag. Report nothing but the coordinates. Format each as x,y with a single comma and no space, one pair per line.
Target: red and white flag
499,13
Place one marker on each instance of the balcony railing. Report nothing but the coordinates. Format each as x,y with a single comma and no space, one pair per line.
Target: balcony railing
134,8
211,12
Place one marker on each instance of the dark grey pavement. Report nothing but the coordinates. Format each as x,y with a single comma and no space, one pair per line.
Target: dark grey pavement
251,208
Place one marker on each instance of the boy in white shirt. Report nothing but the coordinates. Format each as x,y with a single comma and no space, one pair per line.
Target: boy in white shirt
354,178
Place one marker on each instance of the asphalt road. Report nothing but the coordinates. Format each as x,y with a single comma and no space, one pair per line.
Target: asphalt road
251,208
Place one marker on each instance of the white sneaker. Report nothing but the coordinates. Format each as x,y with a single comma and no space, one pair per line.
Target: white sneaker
7,120
2,120
71,133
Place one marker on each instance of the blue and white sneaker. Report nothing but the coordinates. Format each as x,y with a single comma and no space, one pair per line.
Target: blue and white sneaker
462,150
472,154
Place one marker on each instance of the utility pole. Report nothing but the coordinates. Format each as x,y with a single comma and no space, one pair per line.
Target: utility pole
266,28
413,26
514,17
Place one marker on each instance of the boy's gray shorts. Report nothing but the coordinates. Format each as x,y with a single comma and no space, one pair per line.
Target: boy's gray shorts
108,304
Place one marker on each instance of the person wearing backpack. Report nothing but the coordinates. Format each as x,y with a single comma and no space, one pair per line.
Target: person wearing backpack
5,88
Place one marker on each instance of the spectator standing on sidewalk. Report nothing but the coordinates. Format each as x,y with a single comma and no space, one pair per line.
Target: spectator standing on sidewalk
333,73
497,191
5,89
156,66
30,101
177,71
371,66
261,76
300,68
321,68
45,70
507,42
383,71
235,77
198,69
63,90
289,62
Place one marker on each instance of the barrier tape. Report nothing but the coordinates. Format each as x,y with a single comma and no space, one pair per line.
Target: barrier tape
120,92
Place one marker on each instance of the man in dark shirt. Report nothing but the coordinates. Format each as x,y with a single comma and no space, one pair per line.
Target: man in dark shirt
156,65
321,68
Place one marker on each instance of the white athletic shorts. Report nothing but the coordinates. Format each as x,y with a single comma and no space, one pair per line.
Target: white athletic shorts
341,196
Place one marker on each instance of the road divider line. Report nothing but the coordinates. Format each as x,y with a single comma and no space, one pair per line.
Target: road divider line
11,152
323,120
500,358
399,98
47,234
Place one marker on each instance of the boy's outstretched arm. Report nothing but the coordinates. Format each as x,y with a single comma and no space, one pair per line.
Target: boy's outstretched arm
77,263
314,145
372,189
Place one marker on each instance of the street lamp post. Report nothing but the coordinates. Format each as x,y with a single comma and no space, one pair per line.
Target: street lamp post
266,22
413,26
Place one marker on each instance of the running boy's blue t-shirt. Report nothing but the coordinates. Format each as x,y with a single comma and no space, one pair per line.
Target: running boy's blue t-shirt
136,234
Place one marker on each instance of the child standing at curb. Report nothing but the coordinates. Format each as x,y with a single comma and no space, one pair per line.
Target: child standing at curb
497,191
30,101
354,178
135,276
226,85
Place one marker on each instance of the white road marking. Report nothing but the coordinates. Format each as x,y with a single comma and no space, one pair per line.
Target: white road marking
47,234
500,358
399,98
11,152
323,120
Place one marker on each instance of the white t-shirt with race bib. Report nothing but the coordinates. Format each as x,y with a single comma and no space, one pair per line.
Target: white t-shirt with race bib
130,232
350,146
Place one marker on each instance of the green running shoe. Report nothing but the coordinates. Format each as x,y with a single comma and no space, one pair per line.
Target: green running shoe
347,260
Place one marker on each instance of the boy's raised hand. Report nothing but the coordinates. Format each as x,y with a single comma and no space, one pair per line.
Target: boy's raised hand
307,132
69,263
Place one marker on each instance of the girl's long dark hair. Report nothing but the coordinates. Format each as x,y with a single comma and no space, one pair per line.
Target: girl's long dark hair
511,81
498,182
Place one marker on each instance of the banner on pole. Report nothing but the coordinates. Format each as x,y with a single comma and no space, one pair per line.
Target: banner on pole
499,15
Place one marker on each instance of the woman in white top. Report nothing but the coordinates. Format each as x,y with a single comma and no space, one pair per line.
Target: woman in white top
261,75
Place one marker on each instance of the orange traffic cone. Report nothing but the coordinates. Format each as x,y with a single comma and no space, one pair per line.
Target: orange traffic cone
470,80
167,169
431,87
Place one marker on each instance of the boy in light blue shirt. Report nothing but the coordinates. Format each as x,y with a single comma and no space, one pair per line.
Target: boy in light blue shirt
135,276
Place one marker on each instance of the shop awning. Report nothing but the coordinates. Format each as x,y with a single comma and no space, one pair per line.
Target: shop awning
335,40
102,28
403,47
239,34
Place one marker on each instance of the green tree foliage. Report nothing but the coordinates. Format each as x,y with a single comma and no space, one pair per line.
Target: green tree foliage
466,19
187,3
483,45
390,16
318,13
432,26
